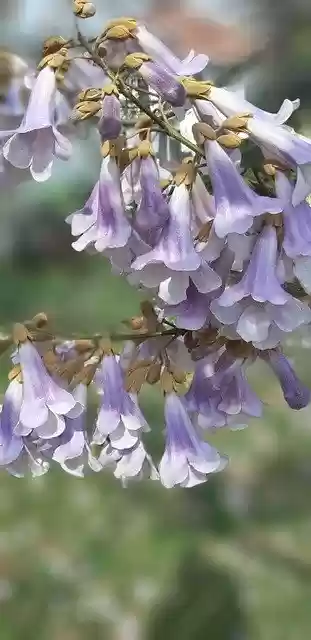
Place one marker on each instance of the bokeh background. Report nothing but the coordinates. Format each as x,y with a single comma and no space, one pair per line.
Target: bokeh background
86,559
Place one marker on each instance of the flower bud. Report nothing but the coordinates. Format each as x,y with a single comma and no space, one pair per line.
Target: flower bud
53,45
20,333
83,9
237,122
202,132
128,23
90,95
196,89
85,110
229,140
119,32
135,60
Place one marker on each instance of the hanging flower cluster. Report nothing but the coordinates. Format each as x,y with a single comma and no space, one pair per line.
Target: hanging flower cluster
222,250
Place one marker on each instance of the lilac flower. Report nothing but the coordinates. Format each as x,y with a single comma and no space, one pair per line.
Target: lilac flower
119,416
236,204
258,305
231,103
102,222
296,394
164,83
70,449
220,394
153,212
175,252
44,403
37,141
297,231
283,144
187,460
110,121
151,45
11,445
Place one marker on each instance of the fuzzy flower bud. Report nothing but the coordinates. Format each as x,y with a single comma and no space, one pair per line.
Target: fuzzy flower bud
83,9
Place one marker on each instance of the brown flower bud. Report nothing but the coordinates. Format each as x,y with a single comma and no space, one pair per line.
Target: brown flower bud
20,333
128,23
53,45
118,32
202,132
85,110
196,89
83,9
237,123
135,60
229,140
90,95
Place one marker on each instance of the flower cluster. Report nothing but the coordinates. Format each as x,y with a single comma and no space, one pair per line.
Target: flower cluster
221,249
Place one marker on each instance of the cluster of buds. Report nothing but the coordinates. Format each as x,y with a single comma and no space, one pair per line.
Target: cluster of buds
221,248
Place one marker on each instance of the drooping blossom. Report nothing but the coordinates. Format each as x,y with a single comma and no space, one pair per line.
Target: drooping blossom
235,202
152,212
258,306
187,459
110,119
102,223
45,403
119,416
296,394
174,261
37,141
297,230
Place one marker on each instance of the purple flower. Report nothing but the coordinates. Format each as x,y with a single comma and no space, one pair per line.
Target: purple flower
231,103
70,449
296,394
102,222
174,262
110,121
11,445
153,212
175,247
297,231
164,83
258,305
151,45
236,204
119,416
220,394
44,403
187,460
37,141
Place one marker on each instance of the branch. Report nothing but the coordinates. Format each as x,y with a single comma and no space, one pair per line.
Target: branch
165,126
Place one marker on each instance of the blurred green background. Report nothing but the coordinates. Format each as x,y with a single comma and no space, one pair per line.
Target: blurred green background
86,559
